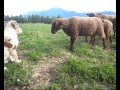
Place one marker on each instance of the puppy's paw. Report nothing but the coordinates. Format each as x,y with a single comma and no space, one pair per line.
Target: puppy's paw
5,61
5,68
18,61
11,59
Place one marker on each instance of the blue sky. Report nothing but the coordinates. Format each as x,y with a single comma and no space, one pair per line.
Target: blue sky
16,7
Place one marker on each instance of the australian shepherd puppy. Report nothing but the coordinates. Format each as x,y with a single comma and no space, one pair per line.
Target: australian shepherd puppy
11,41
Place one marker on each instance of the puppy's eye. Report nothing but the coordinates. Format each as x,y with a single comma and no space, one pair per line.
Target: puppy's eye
9,39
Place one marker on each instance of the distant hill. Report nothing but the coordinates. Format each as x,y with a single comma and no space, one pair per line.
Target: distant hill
63,13
108,13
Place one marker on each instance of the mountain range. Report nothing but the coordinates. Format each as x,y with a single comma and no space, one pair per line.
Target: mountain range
54,12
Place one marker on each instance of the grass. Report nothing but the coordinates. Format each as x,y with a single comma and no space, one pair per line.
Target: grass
89,68
75,72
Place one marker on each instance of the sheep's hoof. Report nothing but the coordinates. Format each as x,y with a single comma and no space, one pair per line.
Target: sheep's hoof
86,41
71,50
90,42
105,48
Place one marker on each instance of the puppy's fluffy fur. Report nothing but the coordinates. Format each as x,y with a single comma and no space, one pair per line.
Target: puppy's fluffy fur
11,41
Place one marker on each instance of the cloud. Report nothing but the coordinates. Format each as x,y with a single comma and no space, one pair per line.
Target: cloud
16,7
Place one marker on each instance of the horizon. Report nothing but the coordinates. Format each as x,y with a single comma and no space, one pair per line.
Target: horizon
13,7
56,8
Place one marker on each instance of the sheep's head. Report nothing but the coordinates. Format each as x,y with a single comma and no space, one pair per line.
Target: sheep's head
91,14
15,25
99,14
56,25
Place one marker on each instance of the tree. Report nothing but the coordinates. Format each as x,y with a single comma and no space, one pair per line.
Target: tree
31,19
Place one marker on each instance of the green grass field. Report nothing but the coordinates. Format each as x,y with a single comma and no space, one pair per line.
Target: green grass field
47,63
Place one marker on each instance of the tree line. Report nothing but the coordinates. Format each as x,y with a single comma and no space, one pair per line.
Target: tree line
31,19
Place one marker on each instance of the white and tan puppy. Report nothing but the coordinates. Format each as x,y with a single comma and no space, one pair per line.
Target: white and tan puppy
11,41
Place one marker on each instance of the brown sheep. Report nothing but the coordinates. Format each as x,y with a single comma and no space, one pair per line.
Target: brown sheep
108,27
108,17
80,26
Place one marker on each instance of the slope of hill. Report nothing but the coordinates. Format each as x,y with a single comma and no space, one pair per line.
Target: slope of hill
63,13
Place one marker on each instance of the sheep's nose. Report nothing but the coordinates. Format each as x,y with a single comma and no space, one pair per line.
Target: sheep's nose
53,32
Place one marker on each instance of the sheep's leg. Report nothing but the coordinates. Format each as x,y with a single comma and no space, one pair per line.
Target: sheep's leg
86,39
104,43
110,38
114,29
90,40
114,33
14,55
93,41
107,36
72,43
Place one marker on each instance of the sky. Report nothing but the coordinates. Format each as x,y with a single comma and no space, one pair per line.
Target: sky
17,7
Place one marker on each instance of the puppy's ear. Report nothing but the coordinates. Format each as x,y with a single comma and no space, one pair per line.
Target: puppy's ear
13,24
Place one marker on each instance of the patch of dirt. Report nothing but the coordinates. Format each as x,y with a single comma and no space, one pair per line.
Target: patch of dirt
44,71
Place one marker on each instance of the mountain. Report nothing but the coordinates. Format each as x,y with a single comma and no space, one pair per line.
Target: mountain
63,13
108,13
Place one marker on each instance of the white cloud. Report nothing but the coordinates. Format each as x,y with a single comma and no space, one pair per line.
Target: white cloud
16,7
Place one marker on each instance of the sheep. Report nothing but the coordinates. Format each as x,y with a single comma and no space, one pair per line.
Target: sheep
108,27
79,26
108,17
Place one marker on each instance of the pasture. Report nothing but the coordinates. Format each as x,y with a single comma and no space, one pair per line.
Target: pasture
47,63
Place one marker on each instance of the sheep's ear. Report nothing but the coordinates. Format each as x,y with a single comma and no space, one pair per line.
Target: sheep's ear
102,20
92,14
55,23
60,22
99,14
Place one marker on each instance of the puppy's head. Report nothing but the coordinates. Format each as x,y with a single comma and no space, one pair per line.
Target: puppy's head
15,25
